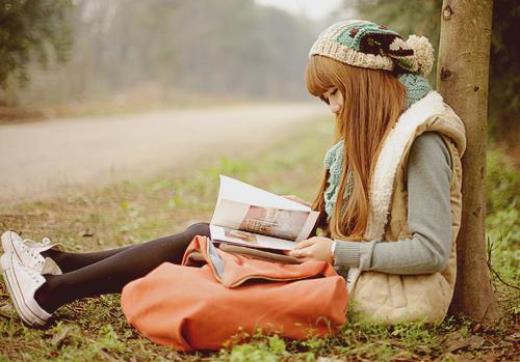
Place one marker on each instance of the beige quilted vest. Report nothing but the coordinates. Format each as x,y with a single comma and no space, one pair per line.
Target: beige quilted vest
391,298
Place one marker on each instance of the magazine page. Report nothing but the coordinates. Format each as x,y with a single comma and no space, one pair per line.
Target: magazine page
244,238
288,224
235,190
249,209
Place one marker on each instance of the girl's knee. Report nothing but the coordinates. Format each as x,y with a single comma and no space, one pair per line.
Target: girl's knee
200,228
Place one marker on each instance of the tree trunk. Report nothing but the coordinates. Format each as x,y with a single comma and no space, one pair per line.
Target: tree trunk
462,79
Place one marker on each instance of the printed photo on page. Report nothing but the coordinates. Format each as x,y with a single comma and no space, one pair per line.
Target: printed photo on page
250,216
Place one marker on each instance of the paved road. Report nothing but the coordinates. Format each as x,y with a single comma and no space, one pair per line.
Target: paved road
45,158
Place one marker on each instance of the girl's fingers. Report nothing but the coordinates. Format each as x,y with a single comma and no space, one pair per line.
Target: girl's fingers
299,253
293,253
304,244
304,258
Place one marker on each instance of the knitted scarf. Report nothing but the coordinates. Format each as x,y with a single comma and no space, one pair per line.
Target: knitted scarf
416,88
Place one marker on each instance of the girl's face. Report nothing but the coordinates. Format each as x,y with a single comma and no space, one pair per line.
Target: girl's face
334,99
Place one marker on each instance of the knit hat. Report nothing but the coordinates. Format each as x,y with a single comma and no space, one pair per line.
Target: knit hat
368,45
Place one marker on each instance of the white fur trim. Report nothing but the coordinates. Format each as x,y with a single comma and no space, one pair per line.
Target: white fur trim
380,192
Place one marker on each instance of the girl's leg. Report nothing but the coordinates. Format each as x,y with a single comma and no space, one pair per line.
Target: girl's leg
110,275
72,261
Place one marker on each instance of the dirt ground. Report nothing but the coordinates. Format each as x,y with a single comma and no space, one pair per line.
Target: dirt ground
46,158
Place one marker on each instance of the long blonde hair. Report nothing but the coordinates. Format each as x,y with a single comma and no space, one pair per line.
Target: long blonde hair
372,102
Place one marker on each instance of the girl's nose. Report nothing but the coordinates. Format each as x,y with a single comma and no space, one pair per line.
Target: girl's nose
334,108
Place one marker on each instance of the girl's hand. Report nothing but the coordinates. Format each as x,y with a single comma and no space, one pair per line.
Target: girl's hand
297,199
315,248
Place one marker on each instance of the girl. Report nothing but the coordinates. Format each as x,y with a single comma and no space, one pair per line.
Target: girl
390,197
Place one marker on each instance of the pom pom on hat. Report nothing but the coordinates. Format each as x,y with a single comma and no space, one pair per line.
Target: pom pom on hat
423,53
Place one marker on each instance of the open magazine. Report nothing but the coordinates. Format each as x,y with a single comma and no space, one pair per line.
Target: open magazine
248,216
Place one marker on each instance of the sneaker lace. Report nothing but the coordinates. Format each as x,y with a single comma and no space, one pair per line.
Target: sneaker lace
35,276
32,253
45,241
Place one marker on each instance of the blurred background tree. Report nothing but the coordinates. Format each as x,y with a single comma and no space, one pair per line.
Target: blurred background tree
229,48
423,17
31,30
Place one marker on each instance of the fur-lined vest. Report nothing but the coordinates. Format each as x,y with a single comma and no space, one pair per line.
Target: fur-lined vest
392,298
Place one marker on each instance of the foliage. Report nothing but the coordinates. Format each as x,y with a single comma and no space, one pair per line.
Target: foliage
504,87
423,17
31,29
263,349
503,226
232,48
502,183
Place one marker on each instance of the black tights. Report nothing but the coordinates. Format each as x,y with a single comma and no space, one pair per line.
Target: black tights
103,272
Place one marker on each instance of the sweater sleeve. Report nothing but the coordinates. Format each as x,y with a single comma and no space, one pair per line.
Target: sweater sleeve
429,218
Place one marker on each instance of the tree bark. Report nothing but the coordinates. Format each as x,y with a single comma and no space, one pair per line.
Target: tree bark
462,79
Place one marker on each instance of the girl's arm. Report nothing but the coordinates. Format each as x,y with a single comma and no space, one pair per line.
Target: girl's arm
429,218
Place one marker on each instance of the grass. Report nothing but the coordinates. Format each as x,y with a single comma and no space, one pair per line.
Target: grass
130,212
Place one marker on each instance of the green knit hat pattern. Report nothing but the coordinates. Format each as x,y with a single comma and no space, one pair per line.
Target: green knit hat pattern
365,44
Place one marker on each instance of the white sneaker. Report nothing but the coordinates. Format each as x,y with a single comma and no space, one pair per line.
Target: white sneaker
28,253
22,283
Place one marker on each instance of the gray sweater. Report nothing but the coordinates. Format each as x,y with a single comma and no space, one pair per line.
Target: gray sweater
429,218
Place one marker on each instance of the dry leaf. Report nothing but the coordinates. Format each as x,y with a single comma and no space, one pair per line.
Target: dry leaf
58,338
